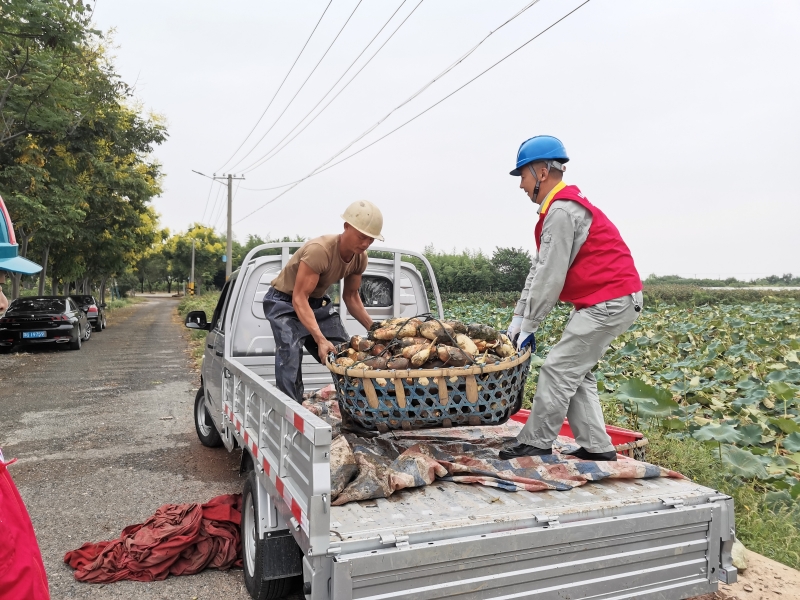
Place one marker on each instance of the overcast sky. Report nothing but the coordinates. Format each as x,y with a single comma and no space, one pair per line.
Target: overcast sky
680,118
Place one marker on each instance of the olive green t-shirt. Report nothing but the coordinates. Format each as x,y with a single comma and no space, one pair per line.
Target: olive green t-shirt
322,256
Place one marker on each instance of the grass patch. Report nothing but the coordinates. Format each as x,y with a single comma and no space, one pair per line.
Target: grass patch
112,305
766,522
207,303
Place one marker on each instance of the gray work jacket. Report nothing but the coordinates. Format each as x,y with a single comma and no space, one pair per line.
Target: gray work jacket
565,229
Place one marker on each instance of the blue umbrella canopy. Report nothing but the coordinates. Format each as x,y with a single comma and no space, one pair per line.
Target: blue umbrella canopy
9,259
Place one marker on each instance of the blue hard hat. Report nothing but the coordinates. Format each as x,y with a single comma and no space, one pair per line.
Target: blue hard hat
540,147
9,261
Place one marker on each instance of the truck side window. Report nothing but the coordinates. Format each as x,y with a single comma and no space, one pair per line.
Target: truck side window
220,304
376,291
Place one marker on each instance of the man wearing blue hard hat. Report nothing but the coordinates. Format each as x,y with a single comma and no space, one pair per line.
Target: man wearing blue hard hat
9,261
581,259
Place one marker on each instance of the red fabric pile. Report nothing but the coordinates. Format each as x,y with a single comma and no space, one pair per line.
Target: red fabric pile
179,539
21,570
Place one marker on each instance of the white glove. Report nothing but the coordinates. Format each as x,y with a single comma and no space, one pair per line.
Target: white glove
514,328
526,338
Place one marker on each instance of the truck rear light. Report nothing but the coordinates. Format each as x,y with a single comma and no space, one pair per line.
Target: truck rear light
93,309
64,318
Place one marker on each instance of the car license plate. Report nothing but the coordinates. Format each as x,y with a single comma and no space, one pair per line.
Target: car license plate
34,334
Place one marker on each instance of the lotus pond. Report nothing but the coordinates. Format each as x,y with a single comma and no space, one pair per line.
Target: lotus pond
725,375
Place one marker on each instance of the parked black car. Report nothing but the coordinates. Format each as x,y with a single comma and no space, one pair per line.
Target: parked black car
95,312
44,320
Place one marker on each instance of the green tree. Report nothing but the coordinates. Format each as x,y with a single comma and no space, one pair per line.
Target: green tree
512,266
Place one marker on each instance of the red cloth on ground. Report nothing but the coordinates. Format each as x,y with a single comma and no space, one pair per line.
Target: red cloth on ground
22,575
179,539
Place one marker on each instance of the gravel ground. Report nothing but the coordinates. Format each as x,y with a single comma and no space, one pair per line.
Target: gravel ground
103,437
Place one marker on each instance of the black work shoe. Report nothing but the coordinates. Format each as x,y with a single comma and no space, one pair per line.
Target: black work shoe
584,454
524,450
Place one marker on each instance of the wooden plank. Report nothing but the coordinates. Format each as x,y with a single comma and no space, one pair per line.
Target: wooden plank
472,389
400,392
369,390
441,383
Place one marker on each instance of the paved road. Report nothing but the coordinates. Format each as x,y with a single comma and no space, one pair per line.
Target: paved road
104,436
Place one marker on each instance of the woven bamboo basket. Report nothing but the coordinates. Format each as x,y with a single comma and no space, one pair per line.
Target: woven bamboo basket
383,400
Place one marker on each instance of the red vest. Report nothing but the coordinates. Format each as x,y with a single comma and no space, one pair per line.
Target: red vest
603,268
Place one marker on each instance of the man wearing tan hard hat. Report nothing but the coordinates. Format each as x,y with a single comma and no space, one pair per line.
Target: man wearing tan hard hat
297,307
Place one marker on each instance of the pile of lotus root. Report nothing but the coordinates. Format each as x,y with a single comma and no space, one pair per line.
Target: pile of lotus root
420,344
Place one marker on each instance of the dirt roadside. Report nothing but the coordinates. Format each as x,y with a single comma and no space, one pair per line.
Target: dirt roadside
764,579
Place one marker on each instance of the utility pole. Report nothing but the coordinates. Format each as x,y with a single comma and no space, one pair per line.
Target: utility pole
191,278
229,247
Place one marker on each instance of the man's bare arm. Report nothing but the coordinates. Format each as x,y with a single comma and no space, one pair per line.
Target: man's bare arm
304,284
352,299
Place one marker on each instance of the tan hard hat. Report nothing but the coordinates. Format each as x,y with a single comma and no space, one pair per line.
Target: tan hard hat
364,216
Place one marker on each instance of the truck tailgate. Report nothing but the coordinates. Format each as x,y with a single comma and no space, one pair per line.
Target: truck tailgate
609,539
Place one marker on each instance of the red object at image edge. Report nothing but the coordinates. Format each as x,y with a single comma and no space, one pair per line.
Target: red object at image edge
22,574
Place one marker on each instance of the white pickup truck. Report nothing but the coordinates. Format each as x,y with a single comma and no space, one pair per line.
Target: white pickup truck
613,539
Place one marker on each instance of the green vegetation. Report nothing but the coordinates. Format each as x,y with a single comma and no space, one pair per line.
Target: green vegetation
772,280
207,303
759,516
168,261
75,165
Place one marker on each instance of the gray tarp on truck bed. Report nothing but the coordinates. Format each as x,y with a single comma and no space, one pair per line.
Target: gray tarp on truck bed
364,468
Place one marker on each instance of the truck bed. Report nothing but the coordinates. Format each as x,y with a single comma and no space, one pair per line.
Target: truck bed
612,539
441,510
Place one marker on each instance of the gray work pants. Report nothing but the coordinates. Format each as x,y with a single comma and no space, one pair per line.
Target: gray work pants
567,387
291,336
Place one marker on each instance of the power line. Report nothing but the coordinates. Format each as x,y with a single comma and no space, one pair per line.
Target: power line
298,89
275,95
214,206
323,166
210,187
265,157
461,59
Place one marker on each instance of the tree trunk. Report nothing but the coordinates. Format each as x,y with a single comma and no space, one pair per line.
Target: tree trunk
103,289
16,278
54,286
169,285
43,274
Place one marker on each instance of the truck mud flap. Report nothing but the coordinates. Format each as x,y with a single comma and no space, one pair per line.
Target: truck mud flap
282,556
655,555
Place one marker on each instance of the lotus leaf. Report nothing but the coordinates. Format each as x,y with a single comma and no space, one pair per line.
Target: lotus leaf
723,374
775,375
782,390
779,498
792,442
651,401
785,425
717,433
743,463
750,435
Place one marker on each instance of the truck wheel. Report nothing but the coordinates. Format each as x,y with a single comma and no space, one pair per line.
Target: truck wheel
206,432
253,550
